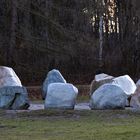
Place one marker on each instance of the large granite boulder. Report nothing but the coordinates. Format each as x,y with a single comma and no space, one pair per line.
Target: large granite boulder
14,97
61,96
54,76
8,77
12,94
99,80
135,99
126,84
108,96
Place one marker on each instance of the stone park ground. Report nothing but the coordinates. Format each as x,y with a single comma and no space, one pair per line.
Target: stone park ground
69,124
59,117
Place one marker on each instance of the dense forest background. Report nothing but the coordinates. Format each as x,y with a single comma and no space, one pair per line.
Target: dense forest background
79,37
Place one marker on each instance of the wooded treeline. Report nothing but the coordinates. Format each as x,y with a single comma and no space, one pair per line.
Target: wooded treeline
39,35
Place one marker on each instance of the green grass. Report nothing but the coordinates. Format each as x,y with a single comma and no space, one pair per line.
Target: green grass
70,125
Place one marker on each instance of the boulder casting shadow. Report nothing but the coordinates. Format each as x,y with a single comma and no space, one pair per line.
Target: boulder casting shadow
12,94
108,96
61,96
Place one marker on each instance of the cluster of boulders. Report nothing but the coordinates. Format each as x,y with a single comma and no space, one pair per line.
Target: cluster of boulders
57,93
106,92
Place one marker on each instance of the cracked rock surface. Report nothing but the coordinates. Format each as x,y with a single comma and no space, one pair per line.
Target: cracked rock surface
12,94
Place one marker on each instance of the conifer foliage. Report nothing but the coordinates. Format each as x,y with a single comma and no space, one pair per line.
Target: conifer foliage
39,35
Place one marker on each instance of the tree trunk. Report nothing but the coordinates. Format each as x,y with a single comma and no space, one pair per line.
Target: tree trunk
13,31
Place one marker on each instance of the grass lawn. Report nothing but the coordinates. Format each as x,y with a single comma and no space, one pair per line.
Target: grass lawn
70,125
